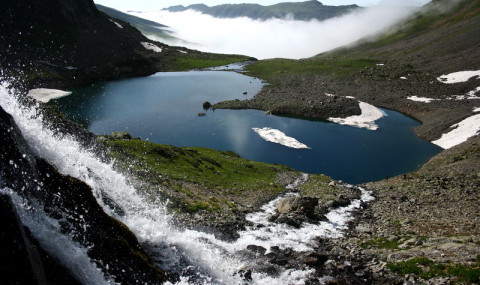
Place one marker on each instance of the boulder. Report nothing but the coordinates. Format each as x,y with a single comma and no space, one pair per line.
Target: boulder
300,205
207,105
121,136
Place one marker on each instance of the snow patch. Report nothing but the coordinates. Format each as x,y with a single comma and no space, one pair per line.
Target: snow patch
403,78
45,95
366,120
460,76
151,46
421,99
276,136
182,51
380,64
117,24
469,96
461,132
476,110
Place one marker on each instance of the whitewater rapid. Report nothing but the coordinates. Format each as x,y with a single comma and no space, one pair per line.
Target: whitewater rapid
214,261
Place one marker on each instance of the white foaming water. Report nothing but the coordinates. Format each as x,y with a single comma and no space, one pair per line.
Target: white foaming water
212,259
302,239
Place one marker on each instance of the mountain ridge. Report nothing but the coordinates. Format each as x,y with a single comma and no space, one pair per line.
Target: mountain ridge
303,11
147,27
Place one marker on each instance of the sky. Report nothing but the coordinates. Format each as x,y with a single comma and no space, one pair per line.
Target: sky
153,5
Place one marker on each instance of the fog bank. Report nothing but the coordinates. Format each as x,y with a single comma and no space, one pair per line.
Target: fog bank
273,38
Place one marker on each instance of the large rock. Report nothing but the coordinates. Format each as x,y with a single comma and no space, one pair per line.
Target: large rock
301,205
294,211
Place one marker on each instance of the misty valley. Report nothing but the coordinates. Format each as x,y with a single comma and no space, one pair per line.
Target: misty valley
297,143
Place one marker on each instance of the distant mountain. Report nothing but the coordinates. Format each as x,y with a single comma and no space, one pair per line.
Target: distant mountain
304,11
148,28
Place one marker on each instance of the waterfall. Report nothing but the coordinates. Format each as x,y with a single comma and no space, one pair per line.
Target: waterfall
47,233
197,256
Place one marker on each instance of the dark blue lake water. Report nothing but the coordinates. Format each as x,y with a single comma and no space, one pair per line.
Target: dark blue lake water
164,108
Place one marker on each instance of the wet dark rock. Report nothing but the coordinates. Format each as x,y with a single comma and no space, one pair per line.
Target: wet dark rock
291,220
23,260
112,246
207,105
260,250
201,114
269,269
341,201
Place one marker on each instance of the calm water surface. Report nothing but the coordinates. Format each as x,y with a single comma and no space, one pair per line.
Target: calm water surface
164,108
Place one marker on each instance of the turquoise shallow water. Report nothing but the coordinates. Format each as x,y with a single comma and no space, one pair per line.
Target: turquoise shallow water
164,108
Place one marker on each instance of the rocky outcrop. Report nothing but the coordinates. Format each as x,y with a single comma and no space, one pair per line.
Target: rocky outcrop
72,204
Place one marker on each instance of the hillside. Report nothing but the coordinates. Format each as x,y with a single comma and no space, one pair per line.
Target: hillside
66,44
384,72
148,28
303,11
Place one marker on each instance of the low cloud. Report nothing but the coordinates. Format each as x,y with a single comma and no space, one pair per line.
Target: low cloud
273,38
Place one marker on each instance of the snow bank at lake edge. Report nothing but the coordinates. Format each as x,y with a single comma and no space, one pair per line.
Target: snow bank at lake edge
366,120
45,95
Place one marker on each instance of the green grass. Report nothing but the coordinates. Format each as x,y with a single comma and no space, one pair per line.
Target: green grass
317,186
382,242
203,166
204,179
426,269
204,60
273,70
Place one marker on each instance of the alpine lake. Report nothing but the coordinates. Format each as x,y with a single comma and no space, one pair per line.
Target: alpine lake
167,108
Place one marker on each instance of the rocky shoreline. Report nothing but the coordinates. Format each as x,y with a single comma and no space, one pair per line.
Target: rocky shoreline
310,97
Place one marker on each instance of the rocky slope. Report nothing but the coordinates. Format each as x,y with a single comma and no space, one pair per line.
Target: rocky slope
148,28
303,11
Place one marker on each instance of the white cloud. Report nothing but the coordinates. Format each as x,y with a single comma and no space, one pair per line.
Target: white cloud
277,37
